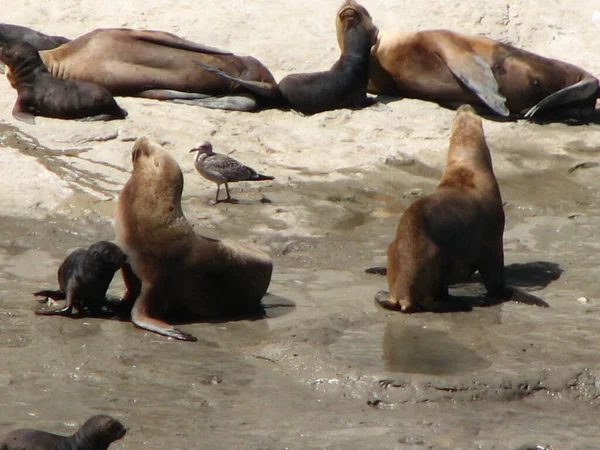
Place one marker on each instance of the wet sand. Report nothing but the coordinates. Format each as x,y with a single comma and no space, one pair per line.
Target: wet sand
327,368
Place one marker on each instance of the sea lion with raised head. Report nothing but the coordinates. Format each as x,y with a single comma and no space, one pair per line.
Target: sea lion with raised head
97,433
39,93
170,268
84,277
446,236
344,85
156,65
449,67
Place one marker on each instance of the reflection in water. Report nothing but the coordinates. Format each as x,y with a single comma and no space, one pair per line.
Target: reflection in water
412,349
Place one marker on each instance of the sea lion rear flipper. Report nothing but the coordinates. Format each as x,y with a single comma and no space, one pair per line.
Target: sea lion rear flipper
477,75
21,115
238,102
171,40
579,91
267,90
377,270
54,295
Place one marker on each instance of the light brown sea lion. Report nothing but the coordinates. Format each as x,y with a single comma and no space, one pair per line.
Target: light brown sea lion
97,433
446,236
449,67
344,85
41,94
171,268
158,65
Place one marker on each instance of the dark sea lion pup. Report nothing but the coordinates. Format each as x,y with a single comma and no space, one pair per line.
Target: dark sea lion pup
97,433
41,41
446,236
449,67
84,277
171,270
41,94
342,86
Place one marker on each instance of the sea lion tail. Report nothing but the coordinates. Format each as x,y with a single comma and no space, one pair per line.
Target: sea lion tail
54,295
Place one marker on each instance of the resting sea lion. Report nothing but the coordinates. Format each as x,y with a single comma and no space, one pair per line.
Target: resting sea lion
157,65
449,67
97,433
446,236
170,267
342,86
41,94
84,277
41,41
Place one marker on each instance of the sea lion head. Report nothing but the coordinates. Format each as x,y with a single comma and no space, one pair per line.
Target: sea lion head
16,54
351,13
108,254
467,139
98,432
156,180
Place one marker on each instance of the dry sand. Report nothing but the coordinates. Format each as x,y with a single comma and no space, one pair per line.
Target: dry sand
335,371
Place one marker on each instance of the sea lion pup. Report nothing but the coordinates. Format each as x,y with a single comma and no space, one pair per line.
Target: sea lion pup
41,41
449,67
156,65
39,93
170,268
84,277
223,169
97,433
342,86
447,235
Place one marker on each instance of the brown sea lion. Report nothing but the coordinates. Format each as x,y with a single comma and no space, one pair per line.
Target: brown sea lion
446,236
157,65
41,94
449,67
344,85
97,433
41,41
170,268
84,277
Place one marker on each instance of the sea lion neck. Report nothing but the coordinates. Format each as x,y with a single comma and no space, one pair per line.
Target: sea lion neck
467,144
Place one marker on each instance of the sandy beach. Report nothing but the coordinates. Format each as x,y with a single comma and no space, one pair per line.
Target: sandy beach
327,369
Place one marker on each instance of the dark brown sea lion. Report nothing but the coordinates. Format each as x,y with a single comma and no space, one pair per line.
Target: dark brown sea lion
342,86
41,41
158,65
84,277
449,67
42,94
170,268
97,433
446,236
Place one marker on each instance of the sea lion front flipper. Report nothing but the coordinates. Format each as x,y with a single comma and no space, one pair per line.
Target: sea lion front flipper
171,40
579,91
238,102
21,115
477,75
159,327
377,270
264,89
2,68
169,94
66,311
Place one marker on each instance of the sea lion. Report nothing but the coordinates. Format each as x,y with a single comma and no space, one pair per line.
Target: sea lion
344,85
157,65
41,41
84,277
170,268
449,67
223,169
41,94
97,433
446,236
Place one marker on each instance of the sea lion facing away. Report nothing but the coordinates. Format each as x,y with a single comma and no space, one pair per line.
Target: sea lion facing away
41,94
446,236
170,268
97,433
84,277
449,67
157,65
342,86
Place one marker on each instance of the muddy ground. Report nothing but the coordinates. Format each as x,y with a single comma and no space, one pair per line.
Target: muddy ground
326,368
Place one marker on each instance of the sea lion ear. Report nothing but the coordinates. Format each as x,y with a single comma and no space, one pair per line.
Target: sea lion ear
96,255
